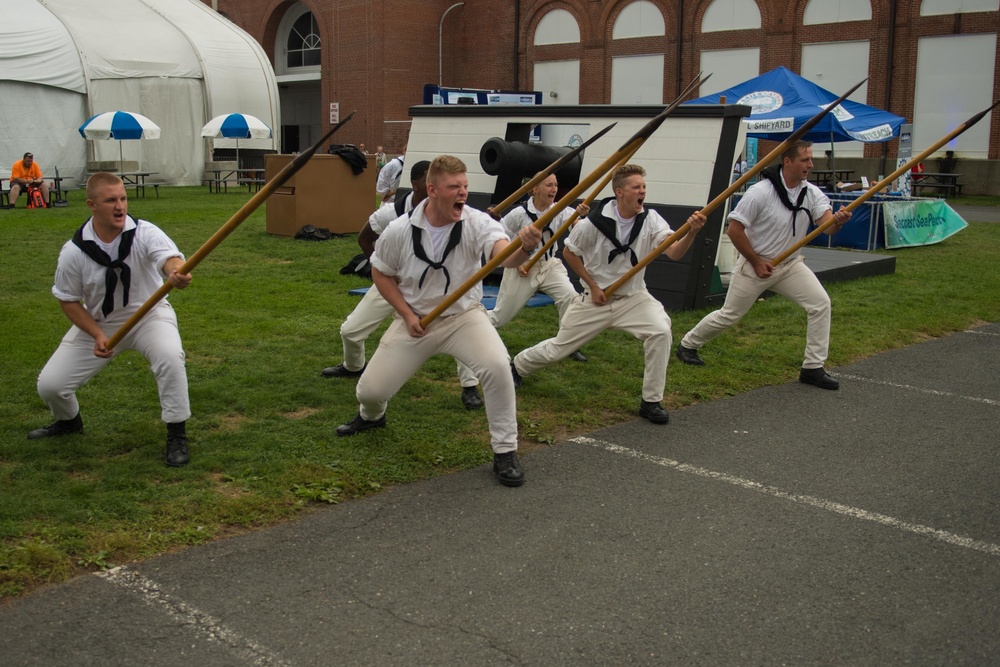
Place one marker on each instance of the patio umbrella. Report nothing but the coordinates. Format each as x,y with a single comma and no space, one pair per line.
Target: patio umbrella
236,126
119,125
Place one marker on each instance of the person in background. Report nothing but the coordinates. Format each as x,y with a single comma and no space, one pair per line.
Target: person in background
26,173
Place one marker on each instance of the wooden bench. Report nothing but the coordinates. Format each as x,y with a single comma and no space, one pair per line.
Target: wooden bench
947,189
945,183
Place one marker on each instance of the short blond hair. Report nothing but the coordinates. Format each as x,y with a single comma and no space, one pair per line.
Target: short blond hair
99,180
444,164
623,172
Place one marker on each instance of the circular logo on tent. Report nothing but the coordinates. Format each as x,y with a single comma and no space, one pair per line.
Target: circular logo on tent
762,101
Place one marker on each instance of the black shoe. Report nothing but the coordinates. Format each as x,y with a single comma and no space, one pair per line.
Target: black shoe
689,356
341,371
654,412
471,398
578,356
818,377
58,427
517,376
359,424
177,451
508,469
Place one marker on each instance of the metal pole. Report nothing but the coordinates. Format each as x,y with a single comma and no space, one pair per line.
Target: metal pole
441,42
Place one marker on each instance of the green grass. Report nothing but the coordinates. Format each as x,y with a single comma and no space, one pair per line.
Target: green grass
259,322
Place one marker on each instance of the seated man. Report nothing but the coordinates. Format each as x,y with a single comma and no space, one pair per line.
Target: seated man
24,174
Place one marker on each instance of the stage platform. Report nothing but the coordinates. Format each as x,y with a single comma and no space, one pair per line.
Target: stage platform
831,266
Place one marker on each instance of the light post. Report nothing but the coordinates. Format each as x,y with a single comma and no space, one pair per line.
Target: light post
441,42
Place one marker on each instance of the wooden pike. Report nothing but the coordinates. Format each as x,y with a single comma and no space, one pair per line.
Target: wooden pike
628,148
235,221
725,194
548,171
885,182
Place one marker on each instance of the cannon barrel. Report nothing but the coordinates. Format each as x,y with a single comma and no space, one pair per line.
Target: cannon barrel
514,161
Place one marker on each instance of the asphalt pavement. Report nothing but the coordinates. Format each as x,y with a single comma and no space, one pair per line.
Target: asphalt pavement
788,525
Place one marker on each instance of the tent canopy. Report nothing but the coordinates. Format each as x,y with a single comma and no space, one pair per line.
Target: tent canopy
782,101
175,61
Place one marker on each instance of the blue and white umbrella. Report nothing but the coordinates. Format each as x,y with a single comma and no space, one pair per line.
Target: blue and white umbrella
119,125
236,126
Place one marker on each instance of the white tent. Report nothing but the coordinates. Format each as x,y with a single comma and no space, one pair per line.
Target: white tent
174,61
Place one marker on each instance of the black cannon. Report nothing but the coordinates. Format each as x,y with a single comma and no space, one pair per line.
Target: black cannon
513,162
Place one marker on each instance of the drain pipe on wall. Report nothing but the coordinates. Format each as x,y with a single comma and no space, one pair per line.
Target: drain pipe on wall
517,45
888,75
680,45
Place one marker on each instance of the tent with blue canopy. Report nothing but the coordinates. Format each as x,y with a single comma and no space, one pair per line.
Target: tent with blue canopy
782,101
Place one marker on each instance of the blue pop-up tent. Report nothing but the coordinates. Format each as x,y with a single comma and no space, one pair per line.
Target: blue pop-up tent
782,101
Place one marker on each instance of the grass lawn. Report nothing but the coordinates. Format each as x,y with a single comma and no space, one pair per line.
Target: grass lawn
260,321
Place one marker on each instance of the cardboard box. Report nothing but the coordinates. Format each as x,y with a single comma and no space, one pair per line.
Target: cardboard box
324,193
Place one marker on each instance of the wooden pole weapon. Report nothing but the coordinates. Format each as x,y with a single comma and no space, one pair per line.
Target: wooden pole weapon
630,146
235,221
885,182
722,197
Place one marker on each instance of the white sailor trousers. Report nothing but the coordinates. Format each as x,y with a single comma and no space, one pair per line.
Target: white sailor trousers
156,337
362,322
792,279
469,338
370,312
638,314
547,275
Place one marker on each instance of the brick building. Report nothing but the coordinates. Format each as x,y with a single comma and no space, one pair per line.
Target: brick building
934,62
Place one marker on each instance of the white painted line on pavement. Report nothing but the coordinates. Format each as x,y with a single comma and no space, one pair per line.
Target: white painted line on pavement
934,392
950,538
247,650
982,333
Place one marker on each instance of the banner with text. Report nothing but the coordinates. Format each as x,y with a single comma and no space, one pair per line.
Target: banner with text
919,222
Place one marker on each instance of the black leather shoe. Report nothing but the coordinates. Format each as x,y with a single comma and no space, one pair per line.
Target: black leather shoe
359,424
58,427
578,356
654,412
818,377
689,356
177,451
341,371
517,376
507,469
471,398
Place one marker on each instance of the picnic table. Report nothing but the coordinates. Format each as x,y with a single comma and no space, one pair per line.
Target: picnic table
946,184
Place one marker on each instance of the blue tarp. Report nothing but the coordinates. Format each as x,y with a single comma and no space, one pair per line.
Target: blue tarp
782,101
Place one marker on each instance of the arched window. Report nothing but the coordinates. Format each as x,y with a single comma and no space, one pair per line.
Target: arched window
557,27
938,7
298,46
303,46
731,15
639,19
836,11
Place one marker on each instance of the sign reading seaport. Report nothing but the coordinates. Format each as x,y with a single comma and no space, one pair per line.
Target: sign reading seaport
916,223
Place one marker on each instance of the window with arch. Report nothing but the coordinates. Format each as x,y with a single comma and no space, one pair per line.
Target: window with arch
731,15
302,43
639,19
836,11
557,27
938,7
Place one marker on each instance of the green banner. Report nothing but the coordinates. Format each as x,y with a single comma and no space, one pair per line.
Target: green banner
919,222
